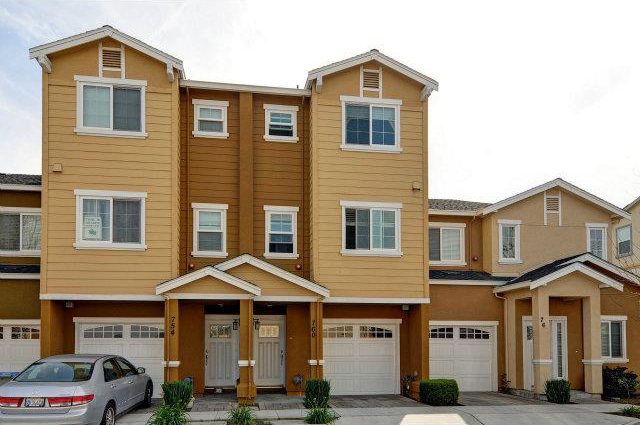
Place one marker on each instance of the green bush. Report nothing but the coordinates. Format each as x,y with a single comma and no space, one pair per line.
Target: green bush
631,411
558,391
166,414
177,393
316,393
439,392
618,382
320,415
241,415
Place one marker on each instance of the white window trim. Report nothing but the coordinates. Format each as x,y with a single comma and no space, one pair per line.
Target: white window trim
517,259
623,320
605,244
22,212
223,105
222,209
547,212
80,129
379,252
618,255
109,195
293,110
451,226
370,101
273,209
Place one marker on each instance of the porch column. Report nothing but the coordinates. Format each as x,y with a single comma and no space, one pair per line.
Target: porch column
171,340
246,386
541,339
591,329
51,328
316,359
510,341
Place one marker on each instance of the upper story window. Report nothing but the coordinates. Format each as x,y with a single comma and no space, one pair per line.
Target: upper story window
210,118
110,220
370,124
614,341
280,123
446,243
20,232
110,107
280,232
597,239
209,230
509,241
370,228
623,241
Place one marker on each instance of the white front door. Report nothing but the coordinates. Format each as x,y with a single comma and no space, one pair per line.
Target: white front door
527,354
221,351
269,351
558,344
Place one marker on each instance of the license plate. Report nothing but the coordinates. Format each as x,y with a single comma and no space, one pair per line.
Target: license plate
34,402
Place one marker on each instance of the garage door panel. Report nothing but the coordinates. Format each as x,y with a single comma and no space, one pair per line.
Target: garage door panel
376,350
384,367
340,366
441,368
439,350
340,349
473,350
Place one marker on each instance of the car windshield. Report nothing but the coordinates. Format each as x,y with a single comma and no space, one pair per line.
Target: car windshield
56,372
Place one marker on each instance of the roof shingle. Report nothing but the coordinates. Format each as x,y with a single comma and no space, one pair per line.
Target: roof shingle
25,179
455,205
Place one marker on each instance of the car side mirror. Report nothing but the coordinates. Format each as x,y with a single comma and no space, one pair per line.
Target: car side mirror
141,370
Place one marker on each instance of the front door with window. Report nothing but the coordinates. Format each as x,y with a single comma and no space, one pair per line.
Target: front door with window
558,346
221,351
269,351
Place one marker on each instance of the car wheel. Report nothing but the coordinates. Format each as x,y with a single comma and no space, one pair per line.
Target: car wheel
148,392
109,415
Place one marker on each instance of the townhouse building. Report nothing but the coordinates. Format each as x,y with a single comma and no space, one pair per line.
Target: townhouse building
253,237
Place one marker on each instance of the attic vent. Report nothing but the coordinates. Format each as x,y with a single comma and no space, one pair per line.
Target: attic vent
552,214
111,59
370,79
553,204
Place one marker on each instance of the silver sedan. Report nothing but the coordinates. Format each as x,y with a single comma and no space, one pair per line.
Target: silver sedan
74,389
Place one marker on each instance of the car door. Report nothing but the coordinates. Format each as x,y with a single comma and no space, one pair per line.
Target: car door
133,380
115,384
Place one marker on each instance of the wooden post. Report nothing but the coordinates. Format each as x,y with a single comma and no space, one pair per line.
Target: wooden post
246,386
51,328
172,340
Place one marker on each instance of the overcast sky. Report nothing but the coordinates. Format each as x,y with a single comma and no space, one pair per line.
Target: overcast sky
528,91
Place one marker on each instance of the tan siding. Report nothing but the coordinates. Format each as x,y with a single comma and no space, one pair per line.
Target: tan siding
270,284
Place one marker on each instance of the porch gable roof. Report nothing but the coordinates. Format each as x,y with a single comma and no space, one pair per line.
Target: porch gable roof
204,272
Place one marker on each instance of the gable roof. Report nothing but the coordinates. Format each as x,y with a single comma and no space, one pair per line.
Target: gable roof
550,185
317,74
455,207
203,272
40,52
632,204
21,182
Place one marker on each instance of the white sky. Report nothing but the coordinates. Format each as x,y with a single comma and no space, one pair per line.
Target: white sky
528,91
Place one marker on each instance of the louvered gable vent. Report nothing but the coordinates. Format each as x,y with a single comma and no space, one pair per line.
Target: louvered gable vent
553,203
370,79
111,59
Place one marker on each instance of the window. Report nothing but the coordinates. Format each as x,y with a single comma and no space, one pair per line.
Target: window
210,118
104,332
110,106
597,239
280,123
127,368
472,333
338,332
623,241
509,240
110,220
371,229
441,333
111,370
374,332
146,332
370,124
613,334
22,332
269,331
20,231
219,331
446,243
209,230
280,232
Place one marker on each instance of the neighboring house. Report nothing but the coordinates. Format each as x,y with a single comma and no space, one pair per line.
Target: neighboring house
251,237
625,239
19,271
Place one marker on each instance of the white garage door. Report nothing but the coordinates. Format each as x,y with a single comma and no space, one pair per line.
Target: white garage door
361,358
464,353
19,346
141,342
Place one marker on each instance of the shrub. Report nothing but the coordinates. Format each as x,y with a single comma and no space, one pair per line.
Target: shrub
177,393
618,382
439,392
166,414
631,411
316,393
558,391
320,415
241,415
504,386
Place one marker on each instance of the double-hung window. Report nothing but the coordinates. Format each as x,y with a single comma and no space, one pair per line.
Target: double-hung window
209,230
280,123
110,219
210,118
280,232
20,232
614,341
509,241
597,239
370,124
446,243
110,106
370,228
623,241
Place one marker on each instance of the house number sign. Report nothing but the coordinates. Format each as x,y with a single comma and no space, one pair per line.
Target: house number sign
172,325
313,328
